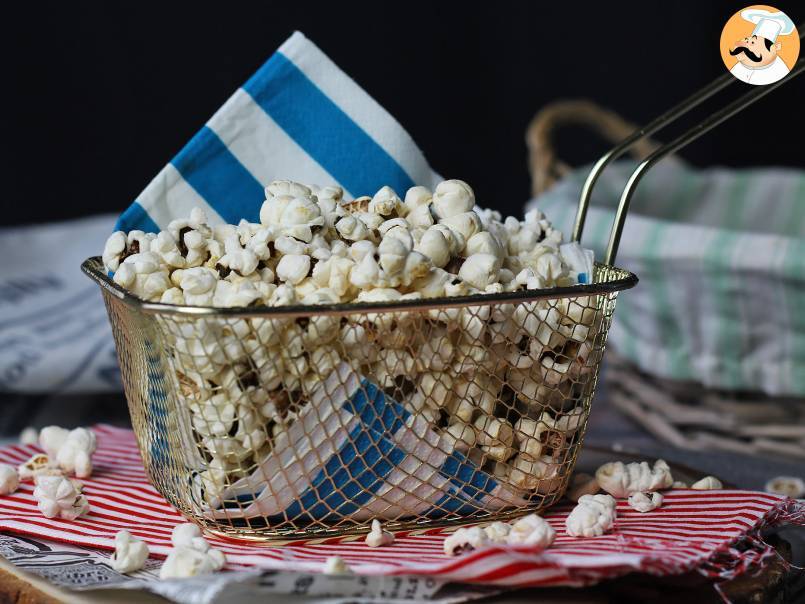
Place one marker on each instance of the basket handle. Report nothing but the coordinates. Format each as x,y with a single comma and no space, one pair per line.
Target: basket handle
545,167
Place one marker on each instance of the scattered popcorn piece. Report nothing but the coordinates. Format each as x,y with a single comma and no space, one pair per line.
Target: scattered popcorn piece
189,535
582,484
678,484
75,453
497,532
621,480
184,562
465,540
377,536
9,479
130,553
708,483
593,516
58,496
334,565
192,555
790,486
51,438
532,530
645,502
29,436
38,465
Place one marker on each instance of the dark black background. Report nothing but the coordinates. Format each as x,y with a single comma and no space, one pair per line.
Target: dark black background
97,97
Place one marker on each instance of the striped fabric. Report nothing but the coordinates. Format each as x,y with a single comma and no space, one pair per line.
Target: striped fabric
365,456
715,532
300,118
721,258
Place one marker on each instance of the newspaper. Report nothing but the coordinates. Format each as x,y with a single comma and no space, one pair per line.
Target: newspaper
54,333
79,568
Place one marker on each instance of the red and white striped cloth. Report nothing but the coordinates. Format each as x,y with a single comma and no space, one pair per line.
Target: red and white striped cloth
714,532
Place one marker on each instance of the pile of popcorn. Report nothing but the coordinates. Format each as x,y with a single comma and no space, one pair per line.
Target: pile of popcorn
311,247
466,369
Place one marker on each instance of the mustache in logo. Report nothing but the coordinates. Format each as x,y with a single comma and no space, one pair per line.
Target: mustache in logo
743,49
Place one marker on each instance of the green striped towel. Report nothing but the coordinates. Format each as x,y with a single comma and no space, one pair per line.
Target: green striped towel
721,259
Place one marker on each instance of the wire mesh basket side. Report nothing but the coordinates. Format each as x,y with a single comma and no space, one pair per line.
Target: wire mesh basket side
281,427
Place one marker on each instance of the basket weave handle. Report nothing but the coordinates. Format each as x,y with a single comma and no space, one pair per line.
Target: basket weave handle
544,165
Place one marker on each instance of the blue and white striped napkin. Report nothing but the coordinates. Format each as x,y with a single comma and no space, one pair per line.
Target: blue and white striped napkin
354,452
299,117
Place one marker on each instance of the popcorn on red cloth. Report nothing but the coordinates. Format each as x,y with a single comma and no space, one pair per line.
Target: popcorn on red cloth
716,533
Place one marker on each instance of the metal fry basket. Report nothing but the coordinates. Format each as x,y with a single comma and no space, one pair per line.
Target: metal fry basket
300,422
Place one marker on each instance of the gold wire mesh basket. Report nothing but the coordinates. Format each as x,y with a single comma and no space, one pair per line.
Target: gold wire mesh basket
300,422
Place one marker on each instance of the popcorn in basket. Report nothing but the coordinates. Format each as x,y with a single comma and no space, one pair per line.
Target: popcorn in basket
327,359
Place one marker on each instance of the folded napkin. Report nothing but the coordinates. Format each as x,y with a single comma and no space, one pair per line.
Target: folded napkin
361,459
721,258
300,118
715,533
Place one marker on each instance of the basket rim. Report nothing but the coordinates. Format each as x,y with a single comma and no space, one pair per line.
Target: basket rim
93,268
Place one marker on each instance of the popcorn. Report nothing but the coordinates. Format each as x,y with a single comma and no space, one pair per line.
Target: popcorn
461,435
386,203
36,466
452,197
238,294
242,261
645,502
708,483
245,380
113,250
621,480
420,217
479,270
435,246
533,531
485,243
143,275
790,486
184,562
378,537
593,516
498,532
528,473
495,436
59,497
334,565
51,439
465,540
417,197
9,479
292,268
75,453
353,229
130,553
466,224
189,535
197,285
29,436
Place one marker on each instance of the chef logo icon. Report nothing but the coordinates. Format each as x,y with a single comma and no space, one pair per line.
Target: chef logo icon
759,45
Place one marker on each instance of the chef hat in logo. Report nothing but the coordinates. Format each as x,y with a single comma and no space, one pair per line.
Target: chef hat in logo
768,25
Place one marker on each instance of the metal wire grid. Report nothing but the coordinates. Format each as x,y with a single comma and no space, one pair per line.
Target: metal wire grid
215,395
